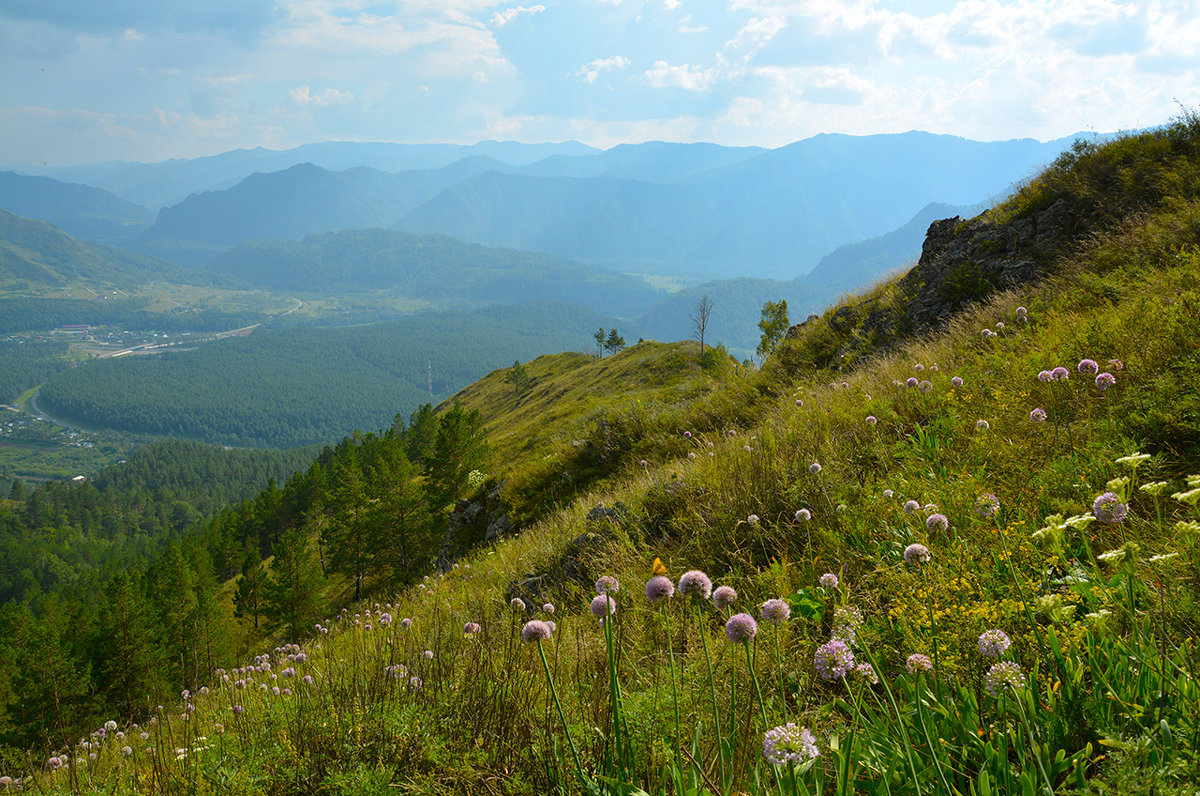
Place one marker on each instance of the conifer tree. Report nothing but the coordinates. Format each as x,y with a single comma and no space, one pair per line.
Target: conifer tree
128,652
292,593
459,449
248,599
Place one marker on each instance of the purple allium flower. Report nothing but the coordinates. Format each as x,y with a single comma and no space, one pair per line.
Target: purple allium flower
1116,364
999,324
54,763
308,679
1088,366
872,420
535,630
1022,311
814,468
1038,415
833,660
925,386
828,581
237,710
548,608
1004,675
799,402
993,643
1109,509
937,522
916,554
302,657
406,623
695,583
789,744
918,663
1105,380
602,606
607,584
866,672
986,505
644,463
803,514
918,367
1060,374
428,655
518,604
741,628
723,597
471,628
956,381
659,588
752,519
846,621
775,611
288,672
985,333
691,457
1045,375
982,425
687,435
910,506
911,381
414,683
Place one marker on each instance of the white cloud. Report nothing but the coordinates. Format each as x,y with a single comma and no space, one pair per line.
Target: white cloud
684,27
501,18
590,71
303,96
684,76
753,36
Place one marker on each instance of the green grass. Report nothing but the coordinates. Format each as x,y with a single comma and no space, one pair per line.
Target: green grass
1103,618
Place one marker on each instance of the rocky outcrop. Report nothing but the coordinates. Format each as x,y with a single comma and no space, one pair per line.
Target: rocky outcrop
573,566
480,518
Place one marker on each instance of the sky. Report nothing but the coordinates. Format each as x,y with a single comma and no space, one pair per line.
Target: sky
147,80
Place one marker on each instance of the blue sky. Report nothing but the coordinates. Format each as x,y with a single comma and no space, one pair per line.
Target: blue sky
87,81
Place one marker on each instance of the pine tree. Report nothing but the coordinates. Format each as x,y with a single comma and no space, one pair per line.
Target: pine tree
248,599
459,449
128,651
292,593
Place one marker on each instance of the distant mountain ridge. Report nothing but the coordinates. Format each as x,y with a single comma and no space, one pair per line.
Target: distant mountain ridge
80,210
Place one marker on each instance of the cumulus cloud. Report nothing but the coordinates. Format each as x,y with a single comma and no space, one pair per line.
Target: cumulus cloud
501,18
684,76
303,96
590,71
754,35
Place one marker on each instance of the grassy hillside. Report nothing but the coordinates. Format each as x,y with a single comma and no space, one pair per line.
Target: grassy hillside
986,581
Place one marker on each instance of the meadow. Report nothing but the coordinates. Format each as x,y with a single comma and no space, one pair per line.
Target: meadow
965,564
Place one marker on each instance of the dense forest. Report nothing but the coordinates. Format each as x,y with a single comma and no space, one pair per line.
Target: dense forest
114,594
304,386
23,365
44,314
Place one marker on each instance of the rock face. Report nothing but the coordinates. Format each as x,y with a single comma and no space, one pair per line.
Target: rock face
962,261
572,567
482,518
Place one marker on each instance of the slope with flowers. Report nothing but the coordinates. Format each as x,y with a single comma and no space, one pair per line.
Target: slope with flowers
966,565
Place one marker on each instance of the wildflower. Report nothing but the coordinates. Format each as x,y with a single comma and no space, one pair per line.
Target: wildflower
1116,364
918,367
1088,366
918,663
982,425
428,655
799,402
872,420
841,507
741,628
602,606
607,584
789,744
308,679
1126,553
846,621
1158,559
687,435
833,660
804,514
752,519
406,623
1004,675
1190,497
1022,311
993,643
237,711
986,333
110,725
644,463
925,386
415,683
126,750
916,554
775,611
1045,375
691,457
1109,509
814,468
695,583
1079,522
1105,380
937,522
828,581
866,672
999,324
471,628
1118,485
1156,488
986,505
1038,415
535,630
746,448
723,597
910,506
911,381
548,608
1134,460
659,588
956,381
887,493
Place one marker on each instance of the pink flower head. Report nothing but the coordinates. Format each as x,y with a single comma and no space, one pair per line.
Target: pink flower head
1060,373
1088,366
659,588
741,628
828,581
535,630
695,583
724,596
916,554
956,381
872,420
1105,380
775,611
603,606
1038,415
